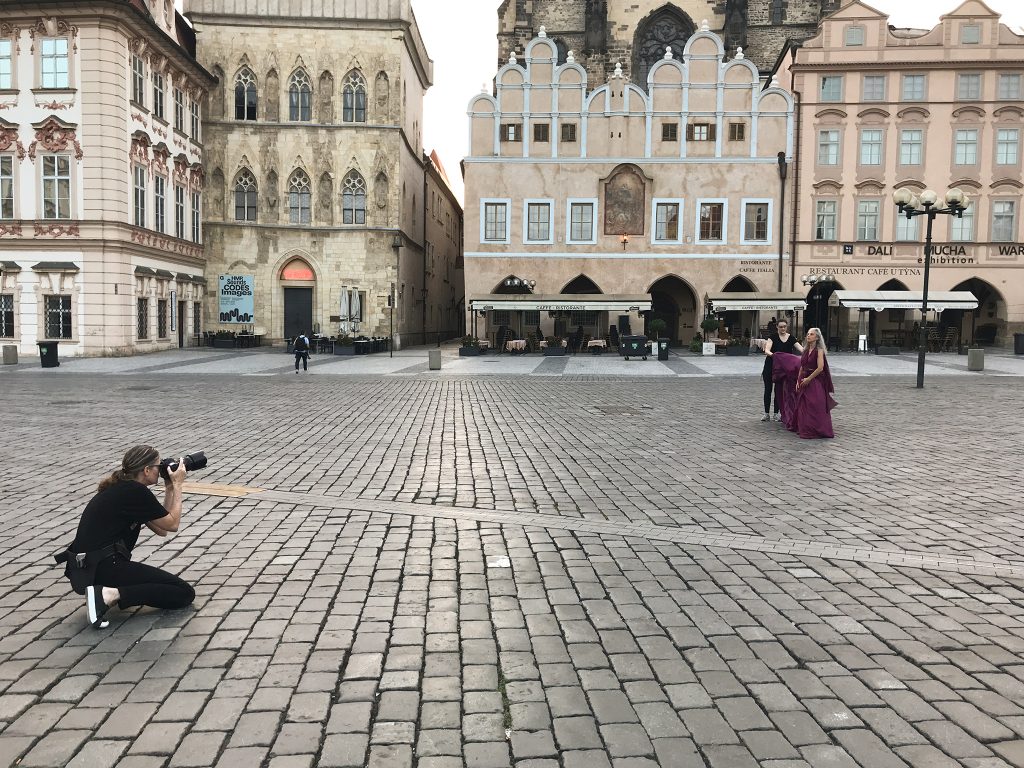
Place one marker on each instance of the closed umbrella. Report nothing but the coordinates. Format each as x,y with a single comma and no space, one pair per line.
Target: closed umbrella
356,313
344,312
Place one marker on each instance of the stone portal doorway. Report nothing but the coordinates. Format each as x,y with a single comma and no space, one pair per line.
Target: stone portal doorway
673,301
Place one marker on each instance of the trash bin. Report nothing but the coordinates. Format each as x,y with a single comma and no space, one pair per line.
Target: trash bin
976,359
1018,343
633,345
10,354
48,354
663,349
434,359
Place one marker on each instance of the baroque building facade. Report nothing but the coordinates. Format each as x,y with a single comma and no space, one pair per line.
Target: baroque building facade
317,181
604,33
622,199
101,177
884,108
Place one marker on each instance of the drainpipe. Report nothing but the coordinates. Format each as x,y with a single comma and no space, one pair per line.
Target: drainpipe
782,211
796,178
423,239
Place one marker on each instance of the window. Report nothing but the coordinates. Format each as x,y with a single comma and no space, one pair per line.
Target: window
581,222
6,186
138,81
197,217
828,147
913,87
245,197
666,222
700,132
179,110
58,316
7,315
511,132
6,65
1009,87
831,87
962,229
353,199
670,131
854,36
140,196
159,203
354,98
56,187
161,318
1007,143
1004,229
158,95
194,108
966,147
825,220
568,131
871,147
496,222
907,230
710,221
542,132
142,318
968,87
54,60
874,87
538,222
737,131
179,212
756,216
245,95
970,34
300,97
911,141
299,193
867,220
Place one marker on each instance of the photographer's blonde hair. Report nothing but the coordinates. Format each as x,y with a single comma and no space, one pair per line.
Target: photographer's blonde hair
135,460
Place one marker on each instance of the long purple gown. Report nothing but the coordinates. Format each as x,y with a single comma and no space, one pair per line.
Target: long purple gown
784,370
812,404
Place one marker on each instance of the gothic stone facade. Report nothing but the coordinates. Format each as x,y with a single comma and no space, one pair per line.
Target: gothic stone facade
101,177
634,34
314,165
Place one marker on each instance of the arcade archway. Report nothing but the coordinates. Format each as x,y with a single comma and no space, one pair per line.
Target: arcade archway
675,302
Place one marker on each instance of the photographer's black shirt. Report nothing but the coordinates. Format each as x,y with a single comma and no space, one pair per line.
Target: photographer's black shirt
116,513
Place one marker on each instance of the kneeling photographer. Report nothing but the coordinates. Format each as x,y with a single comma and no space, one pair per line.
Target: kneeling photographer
99,563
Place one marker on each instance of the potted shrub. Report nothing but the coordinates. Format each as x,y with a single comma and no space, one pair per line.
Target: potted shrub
554,347
224,340
709,325
737,347
344,346
697,344
470,346
656,328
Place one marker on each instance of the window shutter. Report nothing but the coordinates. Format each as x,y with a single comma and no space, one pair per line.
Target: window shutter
689,132
711,131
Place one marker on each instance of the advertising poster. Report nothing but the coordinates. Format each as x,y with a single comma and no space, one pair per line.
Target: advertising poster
236,298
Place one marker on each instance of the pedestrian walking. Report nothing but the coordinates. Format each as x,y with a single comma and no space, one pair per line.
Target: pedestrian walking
301,348
814,401
779,341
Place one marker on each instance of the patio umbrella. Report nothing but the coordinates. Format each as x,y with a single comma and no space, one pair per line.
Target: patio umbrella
344,312
355,310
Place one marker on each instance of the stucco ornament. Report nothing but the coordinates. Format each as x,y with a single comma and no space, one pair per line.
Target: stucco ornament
9,139
55,136
668,53
739,53
624,202
382,90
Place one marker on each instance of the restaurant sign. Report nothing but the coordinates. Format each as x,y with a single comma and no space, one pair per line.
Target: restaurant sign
236,299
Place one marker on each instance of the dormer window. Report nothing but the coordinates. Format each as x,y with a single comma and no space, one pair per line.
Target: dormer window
970,34
854,36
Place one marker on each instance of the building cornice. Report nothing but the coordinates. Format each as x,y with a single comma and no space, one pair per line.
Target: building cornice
886,65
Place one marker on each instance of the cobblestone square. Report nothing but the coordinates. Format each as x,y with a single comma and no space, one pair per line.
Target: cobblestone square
544,566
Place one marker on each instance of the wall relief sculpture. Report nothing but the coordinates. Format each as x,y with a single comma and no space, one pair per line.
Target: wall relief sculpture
325,211
217,97
382,94
273,98
624,202
325,106
216,196
380,191
55,136
271,195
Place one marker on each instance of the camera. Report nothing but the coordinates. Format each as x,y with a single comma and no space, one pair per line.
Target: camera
193,461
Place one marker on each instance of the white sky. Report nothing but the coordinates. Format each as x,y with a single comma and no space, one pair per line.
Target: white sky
461,39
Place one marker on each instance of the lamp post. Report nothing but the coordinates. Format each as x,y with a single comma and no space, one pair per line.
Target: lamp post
396,243
813,280
925,204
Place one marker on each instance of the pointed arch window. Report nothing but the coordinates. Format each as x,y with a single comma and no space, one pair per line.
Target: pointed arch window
354,98
245,197
300,97
353,199
245,95
299,196
666,27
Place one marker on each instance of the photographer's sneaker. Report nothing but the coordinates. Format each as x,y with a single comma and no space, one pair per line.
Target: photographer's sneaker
777,417
766,417
96,607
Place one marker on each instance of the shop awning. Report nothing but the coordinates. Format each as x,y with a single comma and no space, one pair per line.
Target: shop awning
563,302
938,301
755,302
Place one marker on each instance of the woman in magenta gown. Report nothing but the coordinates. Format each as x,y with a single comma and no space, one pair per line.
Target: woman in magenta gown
812,402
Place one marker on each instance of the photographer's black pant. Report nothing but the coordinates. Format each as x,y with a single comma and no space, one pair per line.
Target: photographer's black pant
769,384
303,356
141,584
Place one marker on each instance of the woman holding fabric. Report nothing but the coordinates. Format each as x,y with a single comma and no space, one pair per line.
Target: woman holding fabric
813,402
778,341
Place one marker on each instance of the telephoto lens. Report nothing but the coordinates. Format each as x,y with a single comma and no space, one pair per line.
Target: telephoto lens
193,461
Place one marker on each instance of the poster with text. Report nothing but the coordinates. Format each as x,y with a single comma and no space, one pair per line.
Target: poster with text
236,299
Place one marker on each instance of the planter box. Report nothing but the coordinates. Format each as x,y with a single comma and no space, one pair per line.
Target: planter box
469,351
707,348
340,350
737,351
880,350
554,352
223,343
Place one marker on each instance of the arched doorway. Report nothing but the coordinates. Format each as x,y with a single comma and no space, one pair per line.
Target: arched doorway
673,301
888,328
737,323
983,325
819,315
667,26
298,281
504,323
583,323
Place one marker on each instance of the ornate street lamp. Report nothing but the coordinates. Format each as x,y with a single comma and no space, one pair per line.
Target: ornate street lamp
925,204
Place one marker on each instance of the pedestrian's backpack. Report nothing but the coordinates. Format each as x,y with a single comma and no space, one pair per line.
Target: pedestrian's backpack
301,343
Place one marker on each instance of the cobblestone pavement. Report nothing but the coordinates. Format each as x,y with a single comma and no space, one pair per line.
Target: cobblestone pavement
532,570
